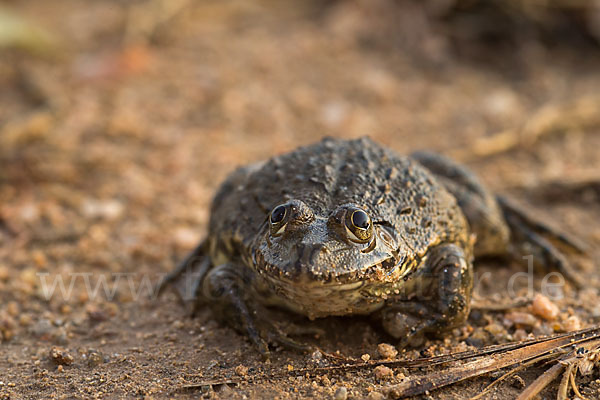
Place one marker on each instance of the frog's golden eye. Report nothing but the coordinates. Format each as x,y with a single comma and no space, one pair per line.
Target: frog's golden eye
278,219
358,225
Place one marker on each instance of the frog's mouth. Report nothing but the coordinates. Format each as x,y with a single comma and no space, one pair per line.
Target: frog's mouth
360,292
388,270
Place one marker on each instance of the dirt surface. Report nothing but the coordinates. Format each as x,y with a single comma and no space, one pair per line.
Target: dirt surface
115,134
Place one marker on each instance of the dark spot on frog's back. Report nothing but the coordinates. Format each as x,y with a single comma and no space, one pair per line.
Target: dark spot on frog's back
405,211
391,173
426,222
422,200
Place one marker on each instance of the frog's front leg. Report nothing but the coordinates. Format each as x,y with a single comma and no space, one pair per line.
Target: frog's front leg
435,299
227,289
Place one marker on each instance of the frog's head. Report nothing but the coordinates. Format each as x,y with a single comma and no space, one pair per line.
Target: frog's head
320,262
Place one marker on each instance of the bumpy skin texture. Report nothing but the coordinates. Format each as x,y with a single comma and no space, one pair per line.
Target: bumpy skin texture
428,217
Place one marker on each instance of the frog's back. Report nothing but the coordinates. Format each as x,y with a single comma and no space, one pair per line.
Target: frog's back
394,189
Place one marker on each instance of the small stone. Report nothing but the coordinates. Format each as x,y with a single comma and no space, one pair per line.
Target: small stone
39,259
102,209
387,351
12,308
365,357
501,103
544,308
66,309
573,323
7,326
97,314
520,318
316,355
495,329
178,324
375,396
29,277
383,372
341,393
25,320
60,356
94,358
520,335
241,370
4,273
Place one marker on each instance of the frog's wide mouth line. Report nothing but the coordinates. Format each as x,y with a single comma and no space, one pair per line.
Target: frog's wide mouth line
386,271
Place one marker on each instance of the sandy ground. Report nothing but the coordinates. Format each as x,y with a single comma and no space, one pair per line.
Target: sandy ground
114,138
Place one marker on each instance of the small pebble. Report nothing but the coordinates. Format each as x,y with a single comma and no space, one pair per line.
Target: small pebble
241,370
7,326
4,273
66,309
365,357
178,324
383,372
544,308
495,329
316,355
520,318
97,314
94,358
387,351
341,393
102,209
520,334
60,356
25,320
375,396
573,323
12,308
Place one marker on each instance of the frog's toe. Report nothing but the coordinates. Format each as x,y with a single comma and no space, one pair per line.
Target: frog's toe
534,238
518,219
259,342
280,336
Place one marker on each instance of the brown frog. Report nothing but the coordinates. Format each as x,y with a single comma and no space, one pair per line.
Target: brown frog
349,227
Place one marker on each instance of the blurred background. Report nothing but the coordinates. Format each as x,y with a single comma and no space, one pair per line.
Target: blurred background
119,119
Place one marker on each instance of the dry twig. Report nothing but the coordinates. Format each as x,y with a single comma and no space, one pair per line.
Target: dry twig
576,117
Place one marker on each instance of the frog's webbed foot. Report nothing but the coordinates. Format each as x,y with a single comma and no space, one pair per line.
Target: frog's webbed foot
440,301
531,237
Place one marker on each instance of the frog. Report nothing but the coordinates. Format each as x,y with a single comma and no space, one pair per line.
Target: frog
351,227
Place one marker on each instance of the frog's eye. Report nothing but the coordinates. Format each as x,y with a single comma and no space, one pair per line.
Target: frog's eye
358,225
278,219
278,214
